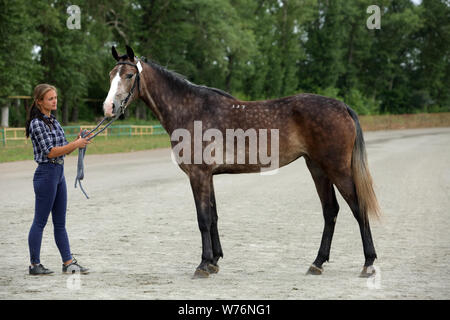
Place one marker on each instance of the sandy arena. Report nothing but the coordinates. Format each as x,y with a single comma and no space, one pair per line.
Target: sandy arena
139,236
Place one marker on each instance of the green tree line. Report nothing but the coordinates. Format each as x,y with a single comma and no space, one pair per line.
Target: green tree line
254,49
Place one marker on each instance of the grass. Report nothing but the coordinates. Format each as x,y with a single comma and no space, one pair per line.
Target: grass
128,121
21,150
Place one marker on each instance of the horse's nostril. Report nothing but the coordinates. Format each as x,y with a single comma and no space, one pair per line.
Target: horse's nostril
115,105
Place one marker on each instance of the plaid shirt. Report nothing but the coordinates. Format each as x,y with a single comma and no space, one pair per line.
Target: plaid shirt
44,138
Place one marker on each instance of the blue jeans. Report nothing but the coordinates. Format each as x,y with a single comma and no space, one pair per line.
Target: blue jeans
51,195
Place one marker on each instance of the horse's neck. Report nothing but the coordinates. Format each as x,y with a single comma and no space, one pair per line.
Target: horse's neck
169,106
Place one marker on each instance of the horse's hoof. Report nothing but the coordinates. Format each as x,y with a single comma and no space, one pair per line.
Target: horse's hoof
213,268
314,270
367,272
200,274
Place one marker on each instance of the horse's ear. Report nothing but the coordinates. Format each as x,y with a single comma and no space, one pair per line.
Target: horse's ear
114,53
130,53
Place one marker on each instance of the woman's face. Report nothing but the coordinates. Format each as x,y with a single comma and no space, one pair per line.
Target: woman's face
49,102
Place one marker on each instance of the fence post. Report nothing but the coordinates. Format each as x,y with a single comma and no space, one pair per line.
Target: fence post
4,136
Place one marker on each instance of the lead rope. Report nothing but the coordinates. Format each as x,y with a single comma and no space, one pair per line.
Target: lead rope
82,151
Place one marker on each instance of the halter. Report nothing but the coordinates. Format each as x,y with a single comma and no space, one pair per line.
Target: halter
122,104
85,133
136,81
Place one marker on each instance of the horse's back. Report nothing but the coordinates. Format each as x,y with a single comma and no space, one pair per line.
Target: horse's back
307,125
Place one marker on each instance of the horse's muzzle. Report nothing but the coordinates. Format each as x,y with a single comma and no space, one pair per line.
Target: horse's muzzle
116,107
110,108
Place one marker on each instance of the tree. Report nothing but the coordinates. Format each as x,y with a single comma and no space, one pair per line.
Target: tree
68,56
17,51
324,48
255,49
431,80
280,35
392,59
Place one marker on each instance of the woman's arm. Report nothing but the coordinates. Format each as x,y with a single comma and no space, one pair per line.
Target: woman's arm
68,148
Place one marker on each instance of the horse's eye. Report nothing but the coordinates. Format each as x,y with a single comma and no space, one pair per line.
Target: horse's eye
129,76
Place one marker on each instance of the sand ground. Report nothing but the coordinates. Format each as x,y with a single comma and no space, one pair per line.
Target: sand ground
139,236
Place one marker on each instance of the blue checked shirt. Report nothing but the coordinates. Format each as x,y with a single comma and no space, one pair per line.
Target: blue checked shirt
44,138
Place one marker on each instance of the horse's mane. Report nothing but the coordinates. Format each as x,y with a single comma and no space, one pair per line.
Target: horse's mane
179,81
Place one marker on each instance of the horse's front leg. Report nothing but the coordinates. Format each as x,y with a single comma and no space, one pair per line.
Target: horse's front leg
201,188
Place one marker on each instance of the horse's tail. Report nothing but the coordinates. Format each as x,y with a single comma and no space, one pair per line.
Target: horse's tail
367,200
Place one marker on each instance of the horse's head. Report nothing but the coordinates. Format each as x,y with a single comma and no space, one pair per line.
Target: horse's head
124,79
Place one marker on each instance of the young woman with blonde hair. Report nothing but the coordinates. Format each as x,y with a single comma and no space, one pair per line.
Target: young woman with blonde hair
49,146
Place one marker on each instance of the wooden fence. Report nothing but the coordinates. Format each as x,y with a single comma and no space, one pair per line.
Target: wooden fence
14,134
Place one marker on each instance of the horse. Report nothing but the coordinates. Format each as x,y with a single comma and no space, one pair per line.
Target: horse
324,131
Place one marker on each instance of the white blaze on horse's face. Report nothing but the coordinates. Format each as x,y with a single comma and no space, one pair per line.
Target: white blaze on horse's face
117,93
108,104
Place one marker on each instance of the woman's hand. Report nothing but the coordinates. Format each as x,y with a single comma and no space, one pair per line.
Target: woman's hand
82,142
79,134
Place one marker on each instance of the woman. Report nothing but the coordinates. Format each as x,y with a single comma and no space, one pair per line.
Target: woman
49,146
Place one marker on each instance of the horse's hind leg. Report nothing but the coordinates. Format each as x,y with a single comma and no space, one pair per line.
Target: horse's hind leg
330,210
215,240
347,189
